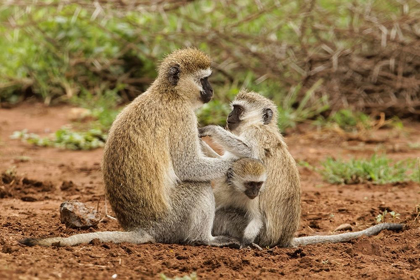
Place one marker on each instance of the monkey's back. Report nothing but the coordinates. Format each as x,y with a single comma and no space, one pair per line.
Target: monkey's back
280,201
137,168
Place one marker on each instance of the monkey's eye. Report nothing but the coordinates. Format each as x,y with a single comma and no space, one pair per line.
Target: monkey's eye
239,109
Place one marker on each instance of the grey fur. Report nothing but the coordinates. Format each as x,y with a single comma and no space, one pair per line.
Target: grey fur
230,142
190,222
135,237
156,177
373,230
280,205
208,151
230,193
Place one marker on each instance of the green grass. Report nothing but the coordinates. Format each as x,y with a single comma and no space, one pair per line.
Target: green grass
215,112
353,121
308,107
103,110
414,146
381,218
347,120
61,54
65,138
376,169
103,107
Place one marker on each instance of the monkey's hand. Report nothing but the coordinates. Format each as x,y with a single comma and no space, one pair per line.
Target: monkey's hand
209,130
251,245
228,141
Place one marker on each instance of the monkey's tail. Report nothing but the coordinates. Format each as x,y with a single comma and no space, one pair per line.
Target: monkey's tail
136,237
307,240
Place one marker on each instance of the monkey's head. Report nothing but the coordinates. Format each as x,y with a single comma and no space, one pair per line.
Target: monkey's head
250,108
247,175
187,71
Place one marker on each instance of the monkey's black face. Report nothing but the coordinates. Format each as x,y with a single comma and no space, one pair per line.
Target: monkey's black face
233,119
207,93
253,189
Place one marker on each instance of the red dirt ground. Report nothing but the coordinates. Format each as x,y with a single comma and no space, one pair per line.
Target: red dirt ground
31,210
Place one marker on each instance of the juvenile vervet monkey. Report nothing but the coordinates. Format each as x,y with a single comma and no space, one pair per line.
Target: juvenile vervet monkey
240,190
253,132
157,179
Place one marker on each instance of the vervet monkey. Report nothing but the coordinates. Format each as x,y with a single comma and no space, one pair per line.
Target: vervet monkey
157,179
240,190
253,132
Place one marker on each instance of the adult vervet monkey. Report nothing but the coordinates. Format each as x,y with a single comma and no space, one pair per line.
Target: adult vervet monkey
156,177
253,132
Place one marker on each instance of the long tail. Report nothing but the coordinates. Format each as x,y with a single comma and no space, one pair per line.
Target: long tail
307,240
136,237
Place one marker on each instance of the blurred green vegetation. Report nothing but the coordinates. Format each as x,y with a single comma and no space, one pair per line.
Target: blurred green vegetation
356,122
65,138
378,169
347,120
102,107
103,54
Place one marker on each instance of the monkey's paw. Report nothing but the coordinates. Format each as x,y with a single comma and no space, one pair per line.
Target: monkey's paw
251,246
207,130
225,241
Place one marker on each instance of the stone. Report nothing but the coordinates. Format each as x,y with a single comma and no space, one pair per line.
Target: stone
75,214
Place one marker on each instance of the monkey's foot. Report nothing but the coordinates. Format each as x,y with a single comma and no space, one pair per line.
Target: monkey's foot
251,246
256,246
225,241
197,243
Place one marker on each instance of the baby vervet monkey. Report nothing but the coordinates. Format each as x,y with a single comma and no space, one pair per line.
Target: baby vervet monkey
240,190
252,132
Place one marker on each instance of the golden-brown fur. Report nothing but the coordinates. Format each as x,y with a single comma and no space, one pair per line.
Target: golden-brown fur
279,204
157,179
194,61
256,135
134,171
244,168
148,136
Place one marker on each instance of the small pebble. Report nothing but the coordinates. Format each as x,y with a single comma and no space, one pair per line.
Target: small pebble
344,227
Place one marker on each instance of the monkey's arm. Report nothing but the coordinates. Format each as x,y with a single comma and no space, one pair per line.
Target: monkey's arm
201,169
227,140
252,230
190,164
207,150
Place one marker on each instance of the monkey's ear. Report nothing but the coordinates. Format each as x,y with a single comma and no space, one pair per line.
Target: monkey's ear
173,74
229,174
267,116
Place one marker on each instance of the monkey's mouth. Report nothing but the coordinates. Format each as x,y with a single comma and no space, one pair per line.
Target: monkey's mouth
232,125
205,97
252,193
